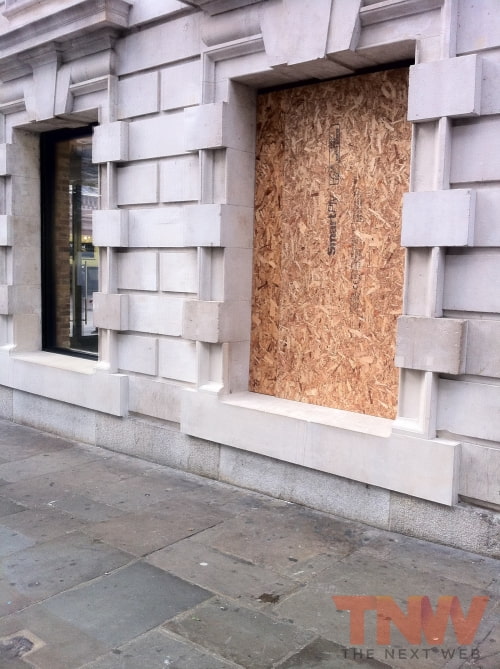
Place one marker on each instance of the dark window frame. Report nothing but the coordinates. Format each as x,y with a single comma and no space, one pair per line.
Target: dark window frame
48,142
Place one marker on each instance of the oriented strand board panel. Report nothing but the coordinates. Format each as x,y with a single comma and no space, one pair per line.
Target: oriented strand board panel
332,166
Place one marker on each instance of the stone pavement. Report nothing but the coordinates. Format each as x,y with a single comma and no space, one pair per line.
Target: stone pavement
109,562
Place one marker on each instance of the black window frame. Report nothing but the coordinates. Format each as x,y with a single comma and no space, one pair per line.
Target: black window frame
48,141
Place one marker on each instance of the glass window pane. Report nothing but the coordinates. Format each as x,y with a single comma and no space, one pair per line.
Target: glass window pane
73,259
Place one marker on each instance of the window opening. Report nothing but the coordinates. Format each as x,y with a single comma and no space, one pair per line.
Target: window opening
70,262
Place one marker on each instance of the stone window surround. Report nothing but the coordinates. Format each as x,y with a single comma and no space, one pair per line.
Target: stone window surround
23,365
402,456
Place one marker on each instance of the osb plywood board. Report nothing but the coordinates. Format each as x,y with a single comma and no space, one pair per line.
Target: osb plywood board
332,166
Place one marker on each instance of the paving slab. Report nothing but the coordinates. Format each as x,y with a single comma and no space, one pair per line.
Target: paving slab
11,600
12,541
84,508
45,463
8,507
159,650
18,442
324,654
232,500
141,492
242,635
51,567
65,646
286,539
39,491
126,603
223,574
143,533
42,525
471,568
313,608
232,578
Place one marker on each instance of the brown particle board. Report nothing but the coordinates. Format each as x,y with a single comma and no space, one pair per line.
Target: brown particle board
332,166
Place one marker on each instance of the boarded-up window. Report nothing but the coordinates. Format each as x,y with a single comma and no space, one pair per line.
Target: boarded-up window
332,166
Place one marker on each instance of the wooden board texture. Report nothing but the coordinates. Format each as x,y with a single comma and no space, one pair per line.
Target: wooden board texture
331,169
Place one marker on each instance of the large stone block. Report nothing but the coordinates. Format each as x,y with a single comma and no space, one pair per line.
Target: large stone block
201,321
19,299
181,85
65,420
218,225
191,225
180,179
438,218
159,399
432,344
471,282
476,461
161,227
157,137
178,360
110,227
487,208
7,156
469,409
450,87
475,151
490,104
6,299
216,322
27,334
25,194
204,127
483,348
138,270
464,526
317,490
110,143
237,274
6,235
295,31
179,271
154,9
234,177
157,314
26,262
138,95
111,311
344,28
137,354
138,184
478,26
168,42
218,125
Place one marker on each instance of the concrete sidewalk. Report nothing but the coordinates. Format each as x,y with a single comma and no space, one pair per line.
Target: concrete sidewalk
108,562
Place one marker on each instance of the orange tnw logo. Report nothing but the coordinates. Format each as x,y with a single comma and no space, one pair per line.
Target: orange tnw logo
419,619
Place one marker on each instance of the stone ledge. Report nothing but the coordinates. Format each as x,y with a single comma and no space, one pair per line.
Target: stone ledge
423,468
66,379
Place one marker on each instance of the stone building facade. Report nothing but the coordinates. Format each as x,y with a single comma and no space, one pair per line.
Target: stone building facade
162,95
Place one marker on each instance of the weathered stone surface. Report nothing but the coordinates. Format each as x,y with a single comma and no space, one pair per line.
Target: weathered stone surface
244,636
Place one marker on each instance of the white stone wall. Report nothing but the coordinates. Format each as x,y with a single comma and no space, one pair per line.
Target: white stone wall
173,88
